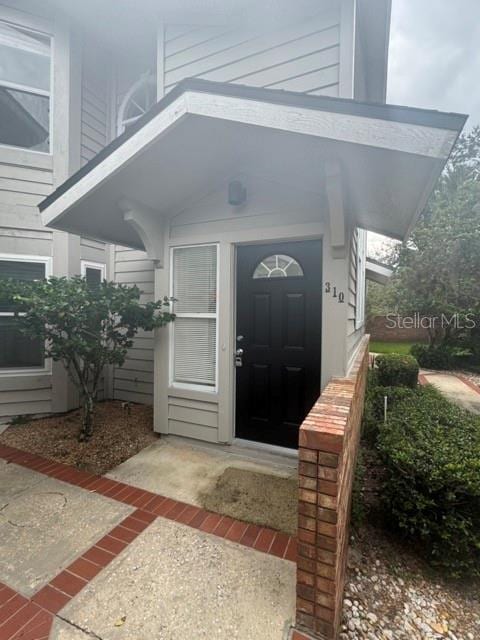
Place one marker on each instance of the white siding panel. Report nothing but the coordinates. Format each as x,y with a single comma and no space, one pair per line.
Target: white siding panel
134,381
311,63
193,418
94,111
94,251
25,407
26,174
25,395
197,431
259,57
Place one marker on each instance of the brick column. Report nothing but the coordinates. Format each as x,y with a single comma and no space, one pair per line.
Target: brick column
329,439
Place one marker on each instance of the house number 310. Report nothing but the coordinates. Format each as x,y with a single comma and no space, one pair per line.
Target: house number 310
332,289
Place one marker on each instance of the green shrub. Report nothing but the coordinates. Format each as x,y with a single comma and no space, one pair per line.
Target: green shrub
358,506
397,370
431,451
373,413
439,357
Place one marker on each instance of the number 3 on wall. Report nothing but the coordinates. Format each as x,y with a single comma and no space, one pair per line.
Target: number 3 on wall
333,290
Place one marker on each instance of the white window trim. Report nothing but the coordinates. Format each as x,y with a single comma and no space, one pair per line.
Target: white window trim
26,21
204,388
47,365
87,264
360,268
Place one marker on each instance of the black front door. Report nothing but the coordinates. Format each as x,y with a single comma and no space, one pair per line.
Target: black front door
279,315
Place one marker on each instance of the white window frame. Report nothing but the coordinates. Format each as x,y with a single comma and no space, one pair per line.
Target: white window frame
47,364
172,383
361,279
88,264
20,19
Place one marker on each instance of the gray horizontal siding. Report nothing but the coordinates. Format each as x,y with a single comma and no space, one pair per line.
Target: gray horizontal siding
24,184
193,418
95,100
94,251
25,395
301,57
134,381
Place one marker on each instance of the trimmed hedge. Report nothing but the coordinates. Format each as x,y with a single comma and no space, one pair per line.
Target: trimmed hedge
373,413
440,357
397,370
431,451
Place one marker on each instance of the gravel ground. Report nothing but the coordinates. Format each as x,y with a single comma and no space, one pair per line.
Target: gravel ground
120,431
390,595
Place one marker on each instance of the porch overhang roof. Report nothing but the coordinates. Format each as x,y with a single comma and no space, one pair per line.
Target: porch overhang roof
378,271
203,133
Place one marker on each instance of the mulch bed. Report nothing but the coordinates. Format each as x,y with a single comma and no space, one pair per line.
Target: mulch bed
120,431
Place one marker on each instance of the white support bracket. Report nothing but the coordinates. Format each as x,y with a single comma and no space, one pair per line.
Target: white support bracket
150,227
336,210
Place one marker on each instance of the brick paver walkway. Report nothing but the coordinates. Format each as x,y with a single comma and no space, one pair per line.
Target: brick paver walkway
23,618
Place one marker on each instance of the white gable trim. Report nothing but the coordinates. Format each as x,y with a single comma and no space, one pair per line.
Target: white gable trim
373,132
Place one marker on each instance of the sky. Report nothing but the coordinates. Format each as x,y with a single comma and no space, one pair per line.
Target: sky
434,60
434,57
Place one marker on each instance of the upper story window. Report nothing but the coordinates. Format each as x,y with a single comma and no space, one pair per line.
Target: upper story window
141,96
25,60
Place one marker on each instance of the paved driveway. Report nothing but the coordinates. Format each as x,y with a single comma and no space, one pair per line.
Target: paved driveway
85,557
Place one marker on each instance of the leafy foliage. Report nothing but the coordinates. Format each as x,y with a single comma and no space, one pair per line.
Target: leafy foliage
431,451
433,356
83,326
395,369
437,269
373,413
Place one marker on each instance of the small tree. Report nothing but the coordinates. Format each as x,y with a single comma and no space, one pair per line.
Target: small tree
438,268
84,326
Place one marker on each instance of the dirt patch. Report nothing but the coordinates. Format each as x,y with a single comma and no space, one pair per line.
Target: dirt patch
255,497
119,434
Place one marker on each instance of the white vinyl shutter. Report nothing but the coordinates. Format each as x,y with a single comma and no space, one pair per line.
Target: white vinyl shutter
195,327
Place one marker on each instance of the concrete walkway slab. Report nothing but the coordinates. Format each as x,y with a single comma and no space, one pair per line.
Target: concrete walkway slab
455,389
185,471
174,582
248,485
45,524
15,480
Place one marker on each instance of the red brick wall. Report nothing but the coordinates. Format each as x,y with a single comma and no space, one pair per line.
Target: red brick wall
380,328
329,440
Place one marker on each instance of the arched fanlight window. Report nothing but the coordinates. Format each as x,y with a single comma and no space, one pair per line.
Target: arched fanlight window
278,266
141,96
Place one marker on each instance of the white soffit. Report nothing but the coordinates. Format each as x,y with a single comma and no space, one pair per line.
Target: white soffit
278,111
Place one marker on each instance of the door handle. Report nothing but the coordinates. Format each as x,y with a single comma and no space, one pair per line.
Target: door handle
238,360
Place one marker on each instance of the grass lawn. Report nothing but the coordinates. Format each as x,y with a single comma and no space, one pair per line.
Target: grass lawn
390,347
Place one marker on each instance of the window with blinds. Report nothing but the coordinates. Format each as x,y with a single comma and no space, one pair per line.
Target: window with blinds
16,350
194,278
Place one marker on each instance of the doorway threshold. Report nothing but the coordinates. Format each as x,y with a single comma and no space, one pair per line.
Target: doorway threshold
263,448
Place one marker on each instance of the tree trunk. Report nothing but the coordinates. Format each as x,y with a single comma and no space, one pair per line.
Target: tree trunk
86,431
